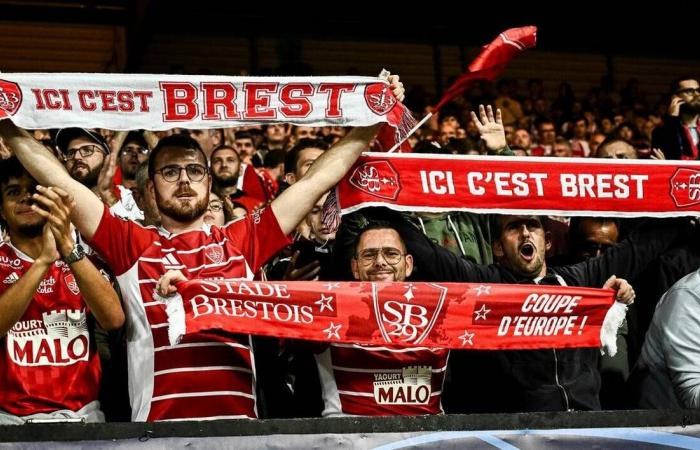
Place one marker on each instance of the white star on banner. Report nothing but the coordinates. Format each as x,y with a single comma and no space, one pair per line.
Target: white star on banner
409,292
331,286
332,330
467,337
482,289
324,303
481,313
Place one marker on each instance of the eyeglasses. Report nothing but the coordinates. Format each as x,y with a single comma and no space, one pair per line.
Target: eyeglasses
172,173
134,151
85,151
390,254
216,205
688,91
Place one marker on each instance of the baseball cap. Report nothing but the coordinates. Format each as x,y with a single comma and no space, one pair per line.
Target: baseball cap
65,135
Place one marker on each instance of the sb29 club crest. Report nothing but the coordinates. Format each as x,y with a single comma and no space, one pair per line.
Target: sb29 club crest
404,315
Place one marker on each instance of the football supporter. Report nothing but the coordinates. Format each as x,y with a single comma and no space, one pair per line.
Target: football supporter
49,365
209,375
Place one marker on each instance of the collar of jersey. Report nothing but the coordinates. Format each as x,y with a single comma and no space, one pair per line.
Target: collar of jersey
167,234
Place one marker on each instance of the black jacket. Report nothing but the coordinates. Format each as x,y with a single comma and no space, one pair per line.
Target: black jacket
533,380
672,139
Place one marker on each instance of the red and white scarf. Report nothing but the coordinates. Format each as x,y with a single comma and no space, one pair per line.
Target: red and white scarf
160,102
515,185
403,314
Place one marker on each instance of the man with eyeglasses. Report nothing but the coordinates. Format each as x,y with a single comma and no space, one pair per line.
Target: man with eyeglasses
679,137
88,159
532,380
133,152
85,153
381,380
208,375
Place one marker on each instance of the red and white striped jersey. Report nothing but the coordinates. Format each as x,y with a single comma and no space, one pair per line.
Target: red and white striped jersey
207,375
48,360
381,381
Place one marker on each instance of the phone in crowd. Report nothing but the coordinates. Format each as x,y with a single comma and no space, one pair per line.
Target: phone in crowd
307,252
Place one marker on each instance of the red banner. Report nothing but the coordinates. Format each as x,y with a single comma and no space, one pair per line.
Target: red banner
404,314
513,185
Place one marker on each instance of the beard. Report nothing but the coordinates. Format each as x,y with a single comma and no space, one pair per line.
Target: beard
225,181
527,269
690,109
129,171
182,210
89,178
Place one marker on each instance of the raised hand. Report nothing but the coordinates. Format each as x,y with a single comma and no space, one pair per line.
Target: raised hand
490,127
658,154
48,254
625,293
104,180
394,83
674,108
55,206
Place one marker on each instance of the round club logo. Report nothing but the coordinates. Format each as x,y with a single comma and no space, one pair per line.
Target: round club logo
10,98
379,98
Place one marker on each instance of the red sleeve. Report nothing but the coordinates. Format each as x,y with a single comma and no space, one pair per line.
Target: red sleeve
258,236
120,242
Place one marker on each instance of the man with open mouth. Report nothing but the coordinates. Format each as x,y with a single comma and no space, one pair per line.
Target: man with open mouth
533,380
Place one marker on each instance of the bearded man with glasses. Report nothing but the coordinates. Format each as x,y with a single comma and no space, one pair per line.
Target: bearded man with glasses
85,153
679,136
208,375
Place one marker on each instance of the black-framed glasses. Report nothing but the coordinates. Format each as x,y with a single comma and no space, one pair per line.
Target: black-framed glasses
216,205
134,151
173,172
688,91
391,255
85,151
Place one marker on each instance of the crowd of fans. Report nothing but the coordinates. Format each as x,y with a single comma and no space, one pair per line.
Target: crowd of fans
74,348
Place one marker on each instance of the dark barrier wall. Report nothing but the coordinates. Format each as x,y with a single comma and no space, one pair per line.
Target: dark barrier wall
606,429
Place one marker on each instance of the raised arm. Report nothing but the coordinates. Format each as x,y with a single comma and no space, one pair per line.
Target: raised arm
49,171
294,204
491,130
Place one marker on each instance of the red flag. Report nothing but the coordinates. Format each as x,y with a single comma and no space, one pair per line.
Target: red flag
493,60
